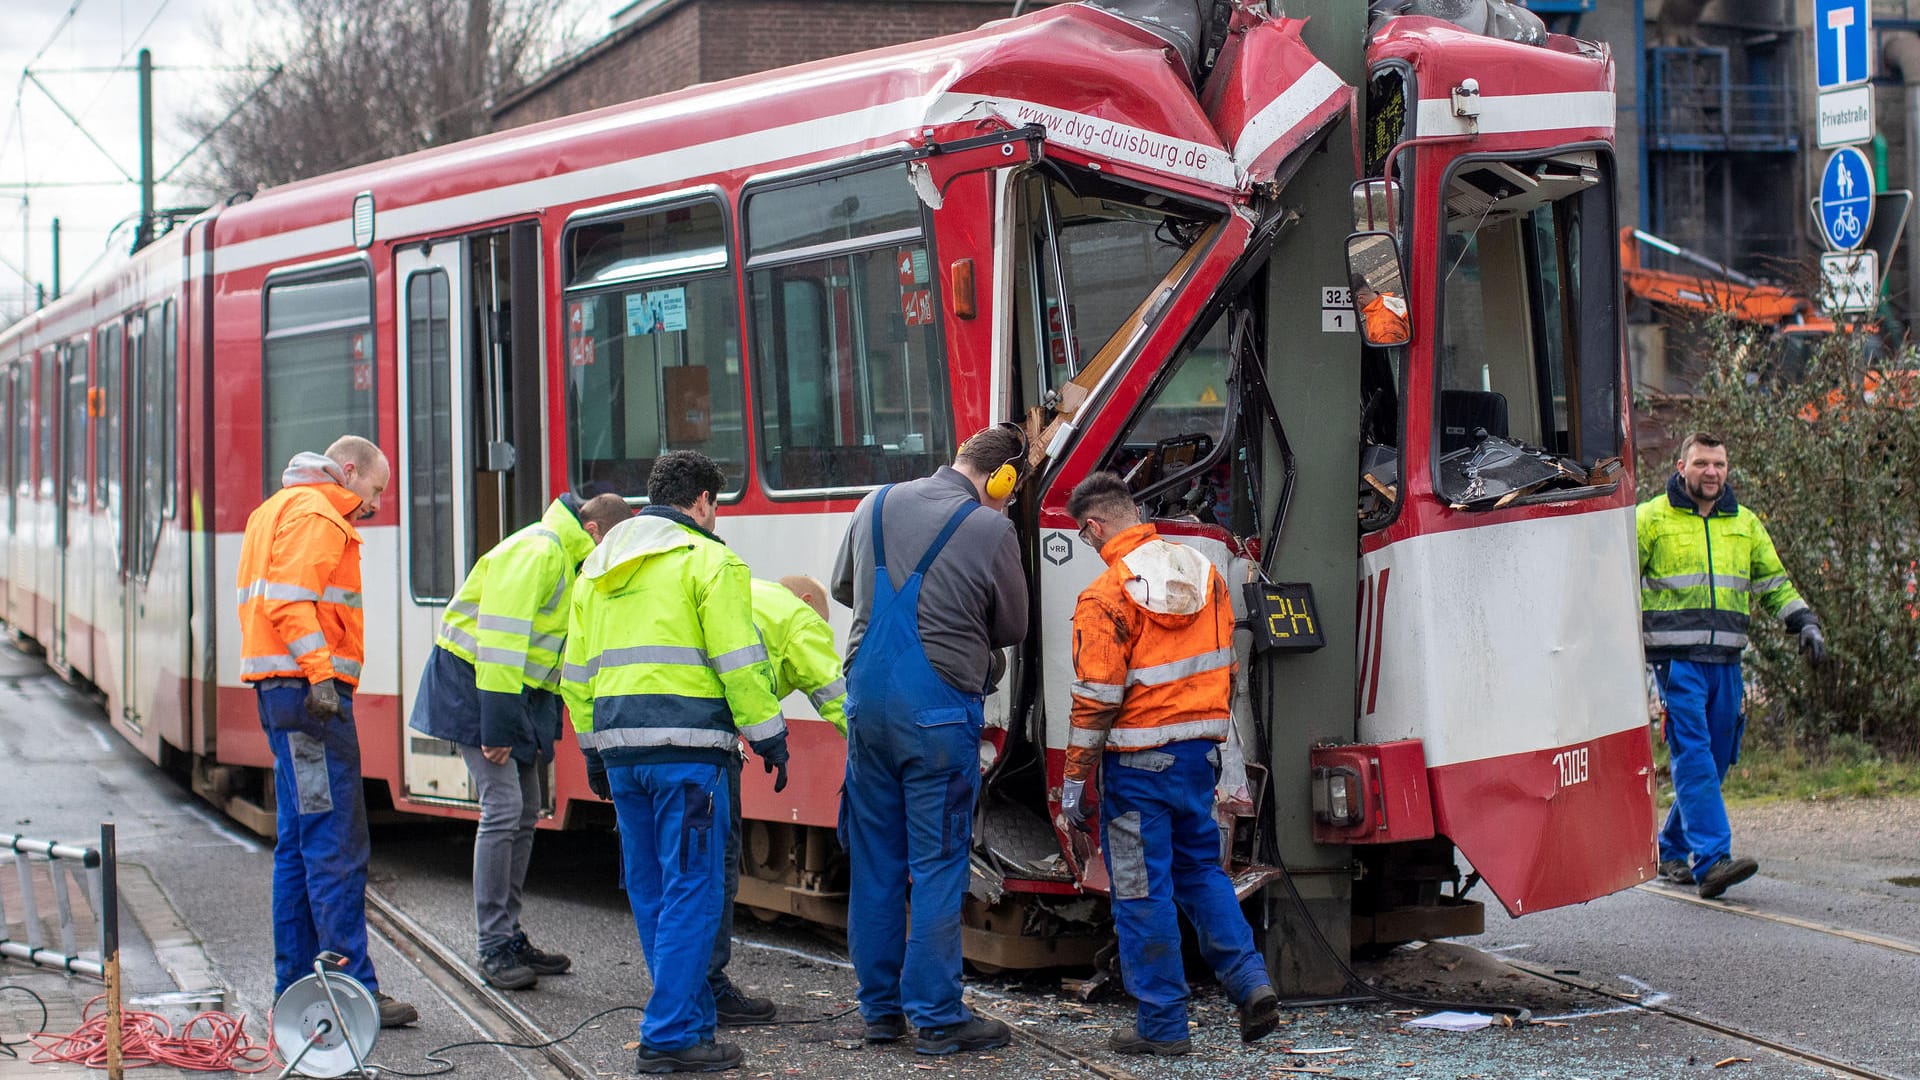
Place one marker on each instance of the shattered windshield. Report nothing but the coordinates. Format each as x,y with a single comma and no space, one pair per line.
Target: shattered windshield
1528,372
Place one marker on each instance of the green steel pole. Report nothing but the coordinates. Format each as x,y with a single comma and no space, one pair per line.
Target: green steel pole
143,235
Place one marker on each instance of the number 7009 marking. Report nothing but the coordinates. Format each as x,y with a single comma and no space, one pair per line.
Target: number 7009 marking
1572,765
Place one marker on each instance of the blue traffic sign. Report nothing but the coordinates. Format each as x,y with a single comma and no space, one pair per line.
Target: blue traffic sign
1840,42
1846,198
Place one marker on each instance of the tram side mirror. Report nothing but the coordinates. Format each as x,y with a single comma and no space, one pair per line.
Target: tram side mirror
1379,289
1376,207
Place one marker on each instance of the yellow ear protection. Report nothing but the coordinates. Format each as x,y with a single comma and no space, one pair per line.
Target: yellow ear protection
1002,481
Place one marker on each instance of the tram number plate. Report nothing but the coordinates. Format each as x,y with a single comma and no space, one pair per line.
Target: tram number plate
1572,765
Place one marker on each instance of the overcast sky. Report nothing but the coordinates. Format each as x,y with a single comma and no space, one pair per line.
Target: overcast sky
51,38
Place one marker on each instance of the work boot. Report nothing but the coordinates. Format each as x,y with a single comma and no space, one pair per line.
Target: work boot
1725,874
886,1029
393,1013
700,1057
1259,1014
504,970
1676,871
978,1033
735,1009
541,961
1128,1040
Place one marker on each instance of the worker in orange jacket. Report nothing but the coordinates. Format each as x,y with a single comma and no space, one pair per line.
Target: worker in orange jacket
1153,665
302,641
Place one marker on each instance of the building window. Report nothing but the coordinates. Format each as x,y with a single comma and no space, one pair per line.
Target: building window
849,368
319,364
430,436
653,347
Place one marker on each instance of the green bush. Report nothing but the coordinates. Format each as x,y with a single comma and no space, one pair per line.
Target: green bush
1827,452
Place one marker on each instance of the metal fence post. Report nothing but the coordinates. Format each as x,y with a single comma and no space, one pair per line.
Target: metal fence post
110,947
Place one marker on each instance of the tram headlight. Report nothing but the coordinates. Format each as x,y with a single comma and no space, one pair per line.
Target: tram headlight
1337,797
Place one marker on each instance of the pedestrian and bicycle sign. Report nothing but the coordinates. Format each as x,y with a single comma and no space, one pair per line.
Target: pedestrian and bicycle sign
1846,199
1841,37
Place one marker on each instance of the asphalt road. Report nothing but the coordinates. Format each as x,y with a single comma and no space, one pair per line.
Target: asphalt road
64,772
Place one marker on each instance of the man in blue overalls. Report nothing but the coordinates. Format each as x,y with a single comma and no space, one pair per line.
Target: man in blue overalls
932,571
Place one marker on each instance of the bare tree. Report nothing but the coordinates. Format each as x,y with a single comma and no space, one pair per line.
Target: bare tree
361,80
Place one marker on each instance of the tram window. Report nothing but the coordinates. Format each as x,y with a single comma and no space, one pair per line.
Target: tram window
319,364
653,348
154,435
1107,246
73,432
49,417
1185,418
430,436
1527,354
848,360
106,429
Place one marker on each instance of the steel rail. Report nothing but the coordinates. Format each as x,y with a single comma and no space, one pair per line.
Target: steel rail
1055,1050
1877,941
1797,1053
503,1020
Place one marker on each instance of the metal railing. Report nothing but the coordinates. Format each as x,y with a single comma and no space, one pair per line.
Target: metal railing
74,876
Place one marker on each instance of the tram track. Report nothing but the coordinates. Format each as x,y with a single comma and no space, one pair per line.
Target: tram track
506,1022
1784,1049
1857,936
501,1020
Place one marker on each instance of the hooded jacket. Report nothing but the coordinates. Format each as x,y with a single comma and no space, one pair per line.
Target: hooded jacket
800,651
509,623
299,580
1152,651
662,660
1698,576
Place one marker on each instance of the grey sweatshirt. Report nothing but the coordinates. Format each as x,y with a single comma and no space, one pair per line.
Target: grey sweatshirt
974,598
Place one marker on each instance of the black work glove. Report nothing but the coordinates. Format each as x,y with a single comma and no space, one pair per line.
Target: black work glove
773,755
323,701
597,777
1813,643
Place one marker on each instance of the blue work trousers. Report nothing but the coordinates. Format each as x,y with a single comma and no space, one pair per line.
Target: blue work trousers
717,979
907,816
1704,725
674,820
1162,847
321,848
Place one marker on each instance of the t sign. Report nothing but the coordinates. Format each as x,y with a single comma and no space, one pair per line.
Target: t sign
1840,42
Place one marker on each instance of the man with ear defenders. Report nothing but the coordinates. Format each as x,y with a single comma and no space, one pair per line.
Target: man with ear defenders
931,569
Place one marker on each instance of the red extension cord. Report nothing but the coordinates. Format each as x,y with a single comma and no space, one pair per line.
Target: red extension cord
147,1039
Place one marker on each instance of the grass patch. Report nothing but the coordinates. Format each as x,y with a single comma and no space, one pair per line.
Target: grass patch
1845,768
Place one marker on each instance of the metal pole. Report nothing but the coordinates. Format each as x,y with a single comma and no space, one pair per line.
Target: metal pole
110,945
56,258
143,235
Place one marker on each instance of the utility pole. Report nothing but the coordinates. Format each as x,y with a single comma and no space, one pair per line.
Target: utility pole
56,258
143,234
1318,376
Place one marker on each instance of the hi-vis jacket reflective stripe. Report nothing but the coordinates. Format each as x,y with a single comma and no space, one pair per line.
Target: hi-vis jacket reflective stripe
800,651
1152,651
1698,575
509,619
299,581
662,660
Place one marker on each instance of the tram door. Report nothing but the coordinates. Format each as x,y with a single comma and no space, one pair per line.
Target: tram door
470,467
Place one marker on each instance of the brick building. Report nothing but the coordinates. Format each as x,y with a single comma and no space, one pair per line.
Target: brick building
662,45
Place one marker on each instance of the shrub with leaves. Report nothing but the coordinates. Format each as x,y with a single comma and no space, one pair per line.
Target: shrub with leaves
1824,443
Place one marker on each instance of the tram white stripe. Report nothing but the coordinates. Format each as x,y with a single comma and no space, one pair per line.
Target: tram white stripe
1508,113
1284,113
642,173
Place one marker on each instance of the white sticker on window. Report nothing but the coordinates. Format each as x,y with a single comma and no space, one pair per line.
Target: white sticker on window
661,312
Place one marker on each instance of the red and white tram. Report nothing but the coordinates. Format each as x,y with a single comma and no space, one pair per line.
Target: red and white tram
824,277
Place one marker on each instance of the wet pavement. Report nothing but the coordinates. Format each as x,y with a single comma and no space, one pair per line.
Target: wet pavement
1845,998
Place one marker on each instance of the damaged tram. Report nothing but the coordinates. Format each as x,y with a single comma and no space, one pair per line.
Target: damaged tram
824,278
